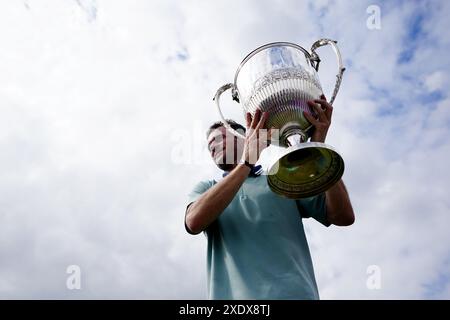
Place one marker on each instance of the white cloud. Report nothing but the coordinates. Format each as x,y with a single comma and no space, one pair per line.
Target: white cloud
436,81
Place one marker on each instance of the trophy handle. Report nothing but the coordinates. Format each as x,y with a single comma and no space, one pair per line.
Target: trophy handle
316,60
219,92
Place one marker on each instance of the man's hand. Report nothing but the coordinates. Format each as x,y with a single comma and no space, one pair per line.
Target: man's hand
339,208
324,111
257,136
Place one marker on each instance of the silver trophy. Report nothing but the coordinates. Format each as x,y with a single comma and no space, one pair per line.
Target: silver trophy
279,78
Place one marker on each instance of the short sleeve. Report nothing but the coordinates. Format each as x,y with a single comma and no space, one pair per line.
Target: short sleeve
314,207
199,189
196,192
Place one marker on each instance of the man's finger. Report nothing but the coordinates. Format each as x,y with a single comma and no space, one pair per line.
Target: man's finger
272,133
310,118
320,112
326,106
262,121
329,112
324,103
256,119
248,117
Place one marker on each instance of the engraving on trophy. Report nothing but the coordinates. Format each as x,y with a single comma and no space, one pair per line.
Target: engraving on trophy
284,94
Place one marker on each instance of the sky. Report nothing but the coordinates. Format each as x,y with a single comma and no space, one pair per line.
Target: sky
103,109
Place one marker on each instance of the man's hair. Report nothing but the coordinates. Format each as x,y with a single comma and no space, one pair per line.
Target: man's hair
218,124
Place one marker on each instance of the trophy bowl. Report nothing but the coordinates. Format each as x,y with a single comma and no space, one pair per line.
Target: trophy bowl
279,78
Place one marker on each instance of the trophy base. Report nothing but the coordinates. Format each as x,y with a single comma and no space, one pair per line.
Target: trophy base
305,170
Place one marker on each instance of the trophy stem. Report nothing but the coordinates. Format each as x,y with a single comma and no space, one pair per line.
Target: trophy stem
292,135
295,139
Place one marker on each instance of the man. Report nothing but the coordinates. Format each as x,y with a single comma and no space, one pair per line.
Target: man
257,247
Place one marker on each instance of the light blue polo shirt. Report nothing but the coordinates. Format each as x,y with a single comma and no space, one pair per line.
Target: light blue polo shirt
257,247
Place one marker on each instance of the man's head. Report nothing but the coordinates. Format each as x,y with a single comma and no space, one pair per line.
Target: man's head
225,148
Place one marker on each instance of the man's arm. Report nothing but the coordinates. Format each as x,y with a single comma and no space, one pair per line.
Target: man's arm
201,213
339,207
